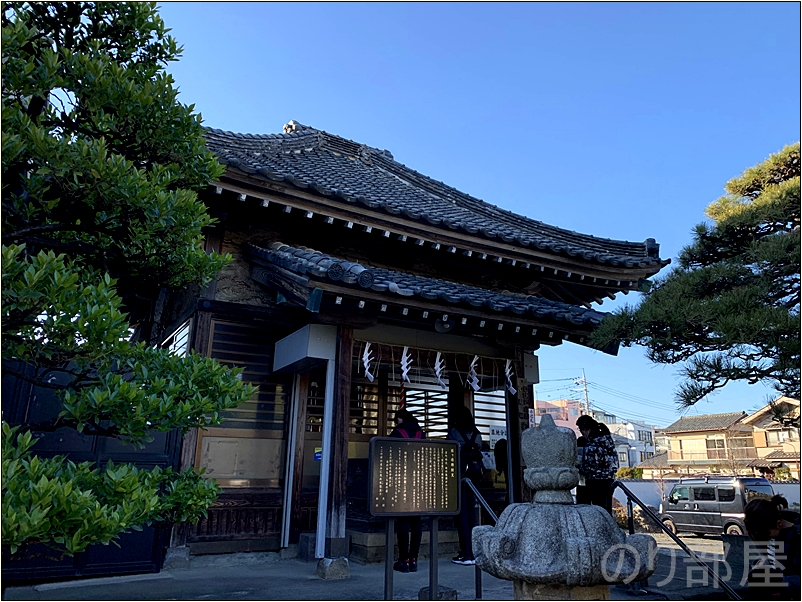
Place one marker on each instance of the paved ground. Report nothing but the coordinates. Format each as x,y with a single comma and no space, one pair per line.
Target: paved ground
264,577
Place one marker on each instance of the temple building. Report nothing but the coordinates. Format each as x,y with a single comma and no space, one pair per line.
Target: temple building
359,286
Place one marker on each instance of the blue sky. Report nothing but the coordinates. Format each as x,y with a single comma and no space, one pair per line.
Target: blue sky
621,120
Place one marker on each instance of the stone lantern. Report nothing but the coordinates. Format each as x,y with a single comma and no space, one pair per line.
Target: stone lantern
551,548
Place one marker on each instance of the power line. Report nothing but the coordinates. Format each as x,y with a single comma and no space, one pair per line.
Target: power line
630,397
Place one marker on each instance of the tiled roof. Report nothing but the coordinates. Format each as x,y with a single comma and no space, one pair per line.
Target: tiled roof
783,455
656,461
350,172
308,262
706,422
764,463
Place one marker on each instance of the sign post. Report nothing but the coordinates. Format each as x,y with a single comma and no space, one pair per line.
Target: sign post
413,477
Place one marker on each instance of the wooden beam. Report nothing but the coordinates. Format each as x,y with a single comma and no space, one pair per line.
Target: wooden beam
339,457
295,288
567,295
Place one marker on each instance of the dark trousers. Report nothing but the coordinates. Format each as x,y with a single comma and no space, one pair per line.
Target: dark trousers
466,520
582,494
600,493
409,531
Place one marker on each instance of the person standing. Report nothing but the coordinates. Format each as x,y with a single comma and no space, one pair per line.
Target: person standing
408,528
775,572
599,462
582,496
464,432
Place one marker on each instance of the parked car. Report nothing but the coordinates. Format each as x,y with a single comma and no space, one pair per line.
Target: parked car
711,505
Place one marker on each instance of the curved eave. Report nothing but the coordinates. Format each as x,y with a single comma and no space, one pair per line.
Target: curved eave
399,297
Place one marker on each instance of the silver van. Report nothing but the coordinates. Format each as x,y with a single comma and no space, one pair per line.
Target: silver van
711,505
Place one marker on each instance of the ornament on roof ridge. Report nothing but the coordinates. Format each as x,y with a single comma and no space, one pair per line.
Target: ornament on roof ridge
439,364
508,374
473,378
406,361
366,359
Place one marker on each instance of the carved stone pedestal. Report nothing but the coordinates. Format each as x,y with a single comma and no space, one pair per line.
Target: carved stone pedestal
541,591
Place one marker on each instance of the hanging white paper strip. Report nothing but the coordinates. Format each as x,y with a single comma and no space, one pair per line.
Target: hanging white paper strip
508,372
473,378
366,359
439,364
406,361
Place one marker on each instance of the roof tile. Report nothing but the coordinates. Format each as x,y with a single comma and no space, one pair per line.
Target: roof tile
303,261
305,157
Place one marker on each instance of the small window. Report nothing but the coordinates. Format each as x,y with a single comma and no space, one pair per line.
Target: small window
726,494
704,494
679,494
754,492
622,457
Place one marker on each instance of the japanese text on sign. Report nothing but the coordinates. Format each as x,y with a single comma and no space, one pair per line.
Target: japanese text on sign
415,477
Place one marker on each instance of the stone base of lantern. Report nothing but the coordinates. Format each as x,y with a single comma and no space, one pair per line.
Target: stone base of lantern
523,590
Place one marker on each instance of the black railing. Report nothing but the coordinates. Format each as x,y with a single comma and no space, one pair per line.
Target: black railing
631,497
489,510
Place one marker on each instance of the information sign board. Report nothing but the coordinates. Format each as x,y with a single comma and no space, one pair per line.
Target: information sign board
413,477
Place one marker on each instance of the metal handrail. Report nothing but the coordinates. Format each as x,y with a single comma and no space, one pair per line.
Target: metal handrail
482,500
486,506
631,497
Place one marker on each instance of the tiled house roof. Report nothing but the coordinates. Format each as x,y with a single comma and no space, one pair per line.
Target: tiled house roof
783,455
352,173
706,422
656,461
308,262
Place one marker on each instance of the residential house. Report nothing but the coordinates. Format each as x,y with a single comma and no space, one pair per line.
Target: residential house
662,442
776,444
640,437
657,468
711,444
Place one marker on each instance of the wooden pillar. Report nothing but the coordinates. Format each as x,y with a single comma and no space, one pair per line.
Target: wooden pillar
339,458
517,422
298,464
456,396
383,378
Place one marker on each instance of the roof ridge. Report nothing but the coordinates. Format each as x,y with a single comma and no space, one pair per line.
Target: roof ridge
718,414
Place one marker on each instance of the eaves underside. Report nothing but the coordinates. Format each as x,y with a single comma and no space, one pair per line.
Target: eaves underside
610,277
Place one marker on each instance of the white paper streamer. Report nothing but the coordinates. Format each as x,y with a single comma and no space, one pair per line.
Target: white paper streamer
439,364
366,359
473,378
406,362
508,373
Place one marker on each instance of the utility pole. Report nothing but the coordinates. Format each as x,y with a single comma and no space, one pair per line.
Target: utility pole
585,387
584,383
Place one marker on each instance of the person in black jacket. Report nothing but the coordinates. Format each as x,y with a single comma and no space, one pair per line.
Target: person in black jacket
463,430
775,573
599,462
408,528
